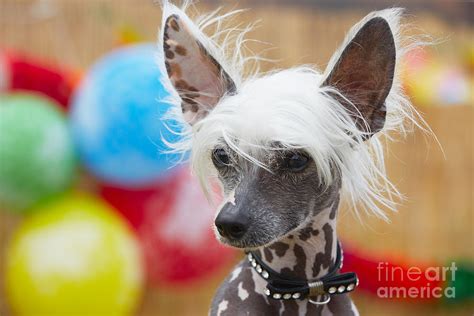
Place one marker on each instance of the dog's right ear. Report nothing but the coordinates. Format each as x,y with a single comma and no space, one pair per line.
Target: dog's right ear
196,75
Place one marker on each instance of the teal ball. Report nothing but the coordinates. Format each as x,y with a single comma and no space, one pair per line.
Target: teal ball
37,159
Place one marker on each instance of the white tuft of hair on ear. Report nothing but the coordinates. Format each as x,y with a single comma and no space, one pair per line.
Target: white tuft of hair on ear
293,108
226,44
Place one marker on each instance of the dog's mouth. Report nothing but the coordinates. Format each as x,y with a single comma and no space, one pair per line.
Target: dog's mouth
233,243
245,242
240,244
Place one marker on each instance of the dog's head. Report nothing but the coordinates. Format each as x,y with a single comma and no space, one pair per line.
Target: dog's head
283,144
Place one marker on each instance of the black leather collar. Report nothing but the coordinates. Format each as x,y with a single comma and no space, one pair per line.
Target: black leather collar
281,288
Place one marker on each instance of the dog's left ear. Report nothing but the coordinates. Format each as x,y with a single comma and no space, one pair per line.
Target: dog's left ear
196,75
363,74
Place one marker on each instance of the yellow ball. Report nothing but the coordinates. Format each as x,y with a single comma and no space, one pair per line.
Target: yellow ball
74,256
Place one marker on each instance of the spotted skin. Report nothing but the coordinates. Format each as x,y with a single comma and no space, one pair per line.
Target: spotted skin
307,232
293,257
323,261
268,254
280,248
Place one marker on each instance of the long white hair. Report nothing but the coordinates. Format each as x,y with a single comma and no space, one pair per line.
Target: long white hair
304,114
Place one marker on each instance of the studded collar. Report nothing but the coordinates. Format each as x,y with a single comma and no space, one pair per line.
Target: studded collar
318,291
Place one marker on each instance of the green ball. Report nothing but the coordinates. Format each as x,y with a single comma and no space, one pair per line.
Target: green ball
37,158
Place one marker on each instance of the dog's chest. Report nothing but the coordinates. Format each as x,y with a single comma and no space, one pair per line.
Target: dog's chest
242,294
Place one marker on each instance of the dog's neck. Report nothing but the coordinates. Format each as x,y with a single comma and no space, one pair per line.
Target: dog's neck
308,253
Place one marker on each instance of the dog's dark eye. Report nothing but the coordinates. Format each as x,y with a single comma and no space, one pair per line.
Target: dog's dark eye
296,161
220,158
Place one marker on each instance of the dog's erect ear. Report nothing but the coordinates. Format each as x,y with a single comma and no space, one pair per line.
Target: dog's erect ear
196,75
364,74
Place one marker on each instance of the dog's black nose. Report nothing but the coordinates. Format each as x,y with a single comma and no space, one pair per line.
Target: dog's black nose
230,225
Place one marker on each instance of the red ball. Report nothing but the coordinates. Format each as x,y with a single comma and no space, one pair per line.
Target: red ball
174,223
26,73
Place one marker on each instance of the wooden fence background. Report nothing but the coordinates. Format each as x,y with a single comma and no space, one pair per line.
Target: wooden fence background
434,224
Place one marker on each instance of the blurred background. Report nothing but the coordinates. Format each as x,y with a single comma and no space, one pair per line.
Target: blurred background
93,219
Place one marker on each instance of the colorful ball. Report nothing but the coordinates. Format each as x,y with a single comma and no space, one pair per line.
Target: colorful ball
73,257
174,224
36,151
116,118
420,70
453,86
18,72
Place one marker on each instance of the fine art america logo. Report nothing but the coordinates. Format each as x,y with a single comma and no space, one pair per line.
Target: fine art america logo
418,282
